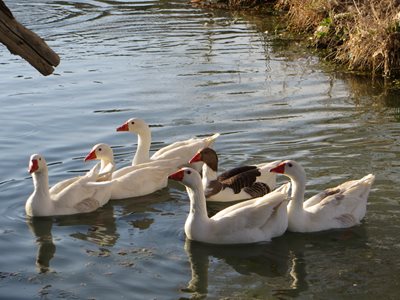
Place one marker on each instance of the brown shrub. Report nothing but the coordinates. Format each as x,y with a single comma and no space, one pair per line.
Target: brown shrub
364,35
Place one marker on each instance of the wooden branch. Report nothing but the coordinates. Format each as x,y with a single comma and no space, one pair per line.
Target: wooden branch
23,42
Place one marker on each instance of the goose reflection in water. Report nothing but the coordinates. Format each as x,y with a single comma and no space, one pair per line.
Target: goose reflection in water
101,230
267,260
288,263
309,254
41,228
139,211
143,204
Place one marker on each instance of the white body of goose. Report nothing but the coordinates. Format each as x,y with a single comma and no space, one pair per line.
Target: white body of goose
184,150
251,221
132,181
72,196
340,207
241,183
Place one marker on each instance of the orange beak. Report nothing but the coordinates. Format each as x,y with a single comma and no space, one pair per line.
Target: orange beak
279,168
91,155
123,127
178,176
33,166
195,158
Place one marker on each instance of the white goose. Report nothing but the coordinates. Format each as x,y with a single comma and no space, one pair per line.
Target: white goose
106,156
340,207
72,196
251,221
132,181
183,149
239,183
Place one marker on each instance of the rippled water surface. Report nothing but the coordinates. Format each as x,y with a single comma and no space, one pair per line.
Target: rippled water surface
188,72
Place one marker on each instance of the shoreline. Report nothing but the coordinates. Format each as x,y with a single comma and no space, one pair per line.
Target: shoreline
360,36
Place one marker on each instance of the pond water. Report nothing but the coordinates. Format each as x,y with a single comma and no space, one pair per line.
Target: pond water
189,72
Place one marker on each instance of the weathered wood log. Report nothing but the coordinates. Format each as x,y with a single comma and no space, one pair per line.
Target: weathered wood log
23,42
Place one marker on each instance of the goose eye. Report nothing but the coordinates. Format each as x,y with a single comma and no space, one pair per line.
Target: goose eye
290,165
40,158
99,149
133,123
188,172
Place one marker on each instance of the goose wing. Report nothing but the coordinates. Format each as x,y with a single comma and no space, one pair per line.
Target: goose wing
140,182
247,181
254,212
346,203
184,149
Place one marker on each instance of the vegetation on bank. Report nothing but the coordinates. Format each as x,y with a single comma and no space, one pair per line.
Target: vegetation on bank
363,35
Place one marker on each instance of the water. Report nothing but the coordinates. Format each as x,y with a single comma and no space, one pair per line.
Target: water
188,72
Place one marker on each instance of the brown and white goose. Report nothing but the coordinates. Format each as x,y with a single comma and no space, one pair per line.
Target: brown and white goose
239,183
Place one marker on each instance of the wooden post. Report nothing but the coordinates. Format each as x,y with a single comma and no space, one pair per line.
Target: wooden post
25,43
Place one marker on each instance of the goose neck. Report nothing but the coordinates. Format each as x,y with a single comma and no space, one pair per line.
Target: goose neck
198,207
39,203
208,175
107,165
298,189
41,182
143,149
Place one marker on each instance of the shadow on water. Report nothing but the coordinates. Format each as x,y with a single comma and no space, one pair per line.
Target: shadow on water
377,94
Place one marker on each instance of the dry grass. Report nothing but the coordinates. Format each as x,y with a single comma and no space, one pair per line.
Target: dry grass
374,41
364,35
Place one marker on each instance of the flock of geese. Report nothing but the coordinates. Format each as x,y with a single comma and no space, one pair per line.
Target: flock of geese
264,211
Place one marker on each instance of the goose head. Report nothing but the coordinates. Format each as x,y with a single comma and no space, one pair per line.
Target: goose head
291,169
187,176
37,164
134,125
208,156
101,152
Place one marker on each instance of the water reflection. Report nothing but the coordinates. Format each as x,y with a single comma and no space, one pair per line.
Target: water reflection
41,228
99,228
308,253
267,260
280,104
288,263
141,205
377,95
